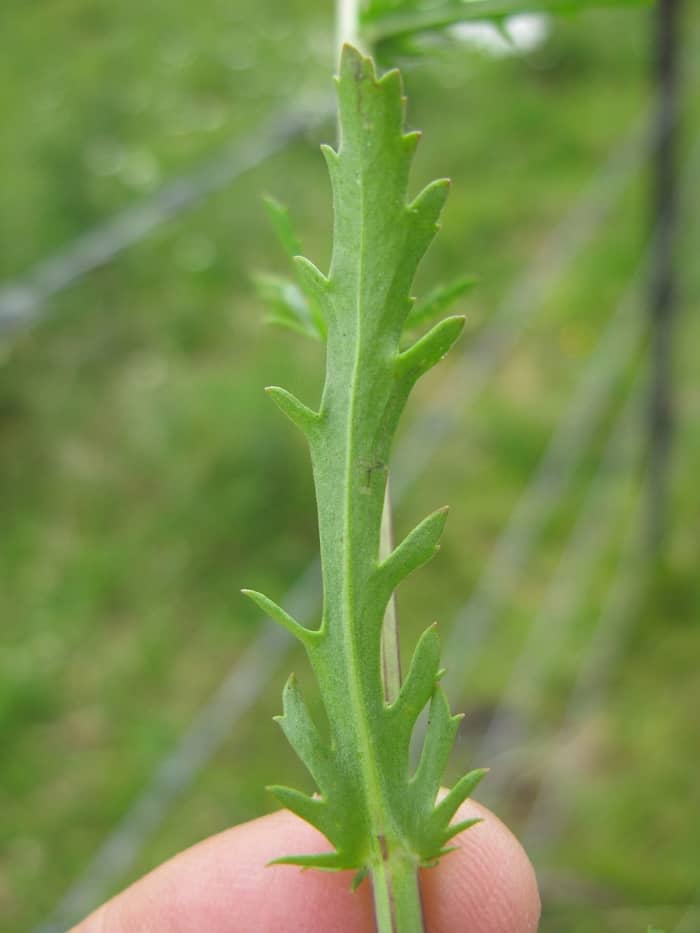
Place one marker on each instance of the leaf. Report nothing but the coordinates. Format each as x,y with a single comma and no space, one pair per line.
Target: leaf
439,300
464,788
324,861
456,828
288,307
437,745
296,306
282,225
385,23
371,807
305,635
298,413
416,549
422,677
311,809
429,350
303,736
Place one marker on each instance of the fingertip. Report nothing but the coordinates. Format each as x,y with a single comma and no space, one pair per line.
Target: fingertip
487,885
226,885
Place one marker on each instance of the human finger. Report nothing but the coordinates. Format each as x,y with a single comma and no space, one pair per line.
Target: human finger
225,885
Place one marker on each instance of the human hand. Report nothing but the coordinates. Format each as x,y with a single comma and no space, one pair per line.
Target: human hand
224,885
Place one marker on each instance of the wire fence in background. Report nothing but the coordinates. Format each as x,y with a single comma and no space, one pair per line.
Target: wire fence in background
575,430
23,301
598,518
549,813
547,818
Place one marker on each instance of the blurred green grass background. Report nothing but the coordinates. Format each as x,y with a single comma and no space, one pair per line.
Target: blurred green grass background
144,477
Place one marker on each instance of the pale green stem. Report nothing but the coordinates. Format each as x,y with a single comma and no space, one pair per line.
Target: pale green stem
347,23
391,653
397,901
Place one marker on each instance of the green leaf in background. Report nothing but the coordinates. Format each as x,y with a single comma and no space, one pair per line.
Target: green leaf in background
386,21
369,804
438,301
288,303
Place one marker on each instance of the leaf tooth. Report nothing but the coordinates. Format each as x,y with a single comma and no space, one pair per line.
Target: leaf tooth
419,684
317,287
288,306
426,207
312,809
447,807
332,158
282,225
415,550
359,878
303,735
392,81
355,71
307,636
437,745
323,861
299,414
391,87
439,300
410,141
456,828
311,279
429,350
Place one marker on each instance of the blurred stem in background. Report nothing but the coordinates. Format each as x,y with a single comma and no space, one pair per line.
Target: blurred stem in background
662,283
347,20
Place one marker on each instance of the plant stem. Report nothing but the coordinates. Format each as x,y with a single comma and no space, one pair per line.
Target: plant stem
347,22
397,902
391,653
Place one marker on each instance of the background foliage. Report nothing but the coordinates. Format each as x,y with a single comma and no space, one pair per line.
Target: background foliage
144,476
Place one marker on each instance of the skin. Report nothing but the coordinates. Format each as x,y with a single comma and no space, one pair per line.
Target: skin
224,885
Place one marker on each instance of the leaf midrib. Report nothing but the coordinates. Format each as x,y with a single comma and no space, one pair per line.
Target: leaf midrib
367,761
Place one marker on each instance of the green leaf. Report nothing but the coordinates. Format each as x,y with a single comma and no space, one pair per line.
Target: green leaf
416,549
438,301
296,306
437,745
382,22
305,635
311,809
429,350
303,736
464,788
370,806
456,828
298,413
287,305
420,682
282,225
324,861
